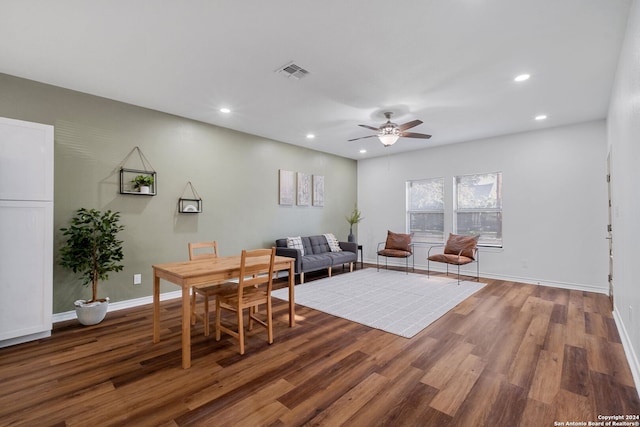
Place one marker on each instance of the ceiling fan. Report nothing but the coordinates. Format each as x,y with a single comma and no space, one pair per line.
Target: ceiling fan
389,132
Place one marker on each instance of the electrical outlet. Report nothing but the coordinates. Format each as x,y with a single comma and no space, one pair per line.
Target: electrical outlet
137,279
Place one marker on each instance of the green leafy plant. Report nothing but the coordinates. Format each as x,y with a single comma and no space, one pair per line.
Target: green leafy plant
92,248
355,217
142,181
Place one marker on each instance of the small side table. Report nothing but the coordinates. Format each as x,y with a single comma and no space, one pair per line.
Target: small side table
361,262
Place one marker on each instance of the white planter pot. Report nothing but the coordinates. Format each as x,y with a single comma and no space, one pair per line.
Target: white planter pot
92,313
145,189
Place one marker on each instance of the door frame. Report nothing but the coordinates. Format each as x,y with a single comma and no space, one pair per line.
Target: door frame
610,229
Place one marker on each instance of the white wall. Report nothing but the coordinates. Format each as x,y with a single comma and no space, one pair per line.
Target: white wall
554,201
623,126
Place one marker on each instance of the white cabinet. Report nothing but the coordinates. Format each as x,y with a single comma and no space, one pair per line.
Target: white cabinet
26,160
26,231
25,268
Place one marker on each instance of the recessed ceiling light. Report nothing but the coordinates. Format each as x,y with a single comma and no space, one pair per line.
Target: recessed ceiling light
363,151
541,117
225,110
310,136
522,77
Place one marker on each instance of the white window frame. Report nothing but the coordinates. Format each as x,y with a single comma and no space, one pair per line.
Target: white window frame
419,237
497,209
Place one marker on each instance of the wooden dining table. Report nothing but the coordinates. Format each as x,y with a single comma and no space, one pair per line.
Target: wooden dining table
187,274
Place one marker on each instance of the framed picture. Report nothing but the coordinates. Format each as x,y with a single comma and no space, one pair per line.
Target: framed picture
304,189
318,190
286,187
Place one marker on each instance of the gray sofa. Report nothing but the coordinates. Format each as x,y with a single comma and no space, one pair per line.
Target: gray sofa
318,254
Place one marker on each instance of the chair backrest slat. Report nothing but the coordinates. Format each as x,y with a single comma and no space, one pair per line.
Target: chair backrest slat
203,250
256,268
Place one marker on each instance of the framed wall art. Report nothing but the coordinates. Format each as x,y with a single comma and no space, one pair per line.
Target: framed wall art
304,189
286,187
318,190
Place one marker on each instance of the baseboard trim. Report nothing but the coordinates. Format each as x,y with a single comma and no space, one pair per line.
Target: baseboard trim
526,280
632,357
551,283
25,338
120,305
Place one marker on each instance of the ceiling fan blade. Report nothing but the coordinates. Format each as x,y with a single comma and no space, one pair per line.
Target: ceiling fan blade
369,127
409,125
415,135
363,137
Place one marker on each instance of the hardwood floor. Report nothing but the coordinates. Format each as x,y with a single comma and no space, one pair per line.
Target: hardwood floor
512,354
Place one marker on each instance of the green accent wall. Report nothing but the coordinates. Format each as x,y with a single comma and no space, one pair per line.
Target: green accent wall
236,175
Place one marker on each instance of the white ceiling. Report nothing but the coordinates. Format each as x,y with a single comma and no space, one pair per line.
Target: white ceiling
449,63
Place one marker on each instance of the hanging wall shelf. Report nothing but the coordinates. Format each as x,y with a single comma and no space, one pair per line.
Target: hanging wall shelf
188,205
139,182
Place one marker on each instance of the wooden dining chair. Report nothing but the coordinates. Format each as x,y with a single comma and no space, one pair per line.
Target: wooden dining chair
197,251
252,290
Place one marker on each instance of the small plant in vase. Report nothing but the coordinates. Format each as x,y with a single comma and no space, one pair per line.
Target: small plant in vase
354,218
92,250
143,183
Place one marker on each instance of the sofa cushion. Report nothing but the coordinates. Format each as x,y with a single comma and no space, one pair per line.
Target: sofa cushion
319,245
463,245
343,257
315,262
295,243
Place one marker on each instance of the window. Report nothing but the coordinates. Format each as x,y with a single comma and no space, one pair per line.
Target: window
478,209
425,209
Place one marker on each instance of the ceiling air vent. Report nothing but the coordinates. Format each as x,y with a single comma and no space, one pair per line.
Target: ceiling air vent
292,70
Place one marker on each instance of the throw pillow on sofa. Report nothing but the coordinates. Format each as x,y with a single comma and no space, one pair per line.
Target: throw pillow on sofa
333,242
295,243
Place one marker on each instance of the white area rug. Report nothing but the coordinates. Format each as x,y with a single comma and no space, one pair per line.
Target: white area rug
393,301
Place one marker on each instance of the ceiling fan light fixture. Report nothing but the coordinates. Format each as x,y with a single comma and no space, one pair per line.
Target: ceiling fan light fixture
388,139
389,133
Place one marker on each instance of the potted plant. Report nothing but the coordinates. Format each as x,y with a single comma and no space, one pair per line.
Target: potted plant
354,218
92,250
143,183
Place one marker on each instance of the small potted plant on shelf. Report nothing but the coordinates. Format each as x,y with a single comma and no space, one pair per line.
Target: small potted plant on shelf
354,218
92,250
143,183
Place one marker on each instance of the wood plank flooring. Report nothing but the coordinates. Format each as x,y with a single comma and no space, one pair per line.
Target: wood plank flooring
511,355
